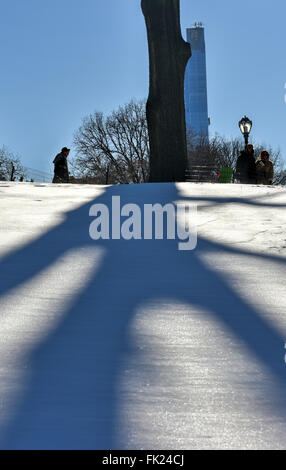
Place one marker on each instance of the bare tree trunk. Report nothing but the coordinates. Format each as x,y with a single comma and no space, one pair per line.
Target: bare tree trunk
168,56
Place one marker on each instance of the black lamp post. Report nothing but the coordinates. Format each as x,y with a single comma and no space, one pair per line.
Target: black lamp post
245,126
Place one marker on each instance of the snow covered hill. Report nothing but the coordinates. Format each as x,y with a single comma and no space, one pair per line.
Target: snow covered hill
113,344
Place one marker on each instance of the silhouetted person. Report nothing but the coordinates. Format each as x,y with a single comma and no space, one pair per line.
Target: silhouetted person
12,172
264,169
61,172
245,166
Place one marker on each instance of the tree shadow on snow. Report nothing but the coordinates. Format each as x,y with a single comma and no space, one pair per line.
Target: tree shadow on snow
71,400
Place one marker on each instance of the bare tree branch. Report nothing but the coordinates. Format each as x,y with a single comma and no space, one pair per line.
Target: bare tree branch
117,146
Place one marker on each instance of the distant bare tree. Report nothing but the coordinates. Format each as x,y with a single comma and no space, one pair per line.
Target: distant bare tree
113,149
7,159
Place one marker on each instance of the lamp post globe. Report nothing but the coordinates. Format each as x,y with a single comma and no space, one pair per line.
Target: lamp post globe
245,125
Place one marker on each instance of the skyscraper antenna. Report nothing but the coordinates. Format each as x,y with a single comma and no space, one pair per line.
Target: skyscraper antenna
198,24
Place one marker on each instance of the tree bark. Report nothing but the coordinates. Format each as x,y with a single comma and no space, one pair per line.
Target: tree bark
168,57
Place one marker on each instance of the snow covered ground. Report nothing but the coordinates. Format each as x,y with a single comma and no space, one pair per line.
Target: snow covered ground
134,344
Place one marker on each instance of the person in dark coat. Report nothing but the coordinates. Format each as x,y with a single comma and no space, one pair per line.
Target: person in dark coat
264,169
61,172
245,166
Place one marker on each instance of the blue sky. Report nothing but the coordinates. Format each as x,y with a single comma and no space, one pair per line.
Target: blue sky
64,59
